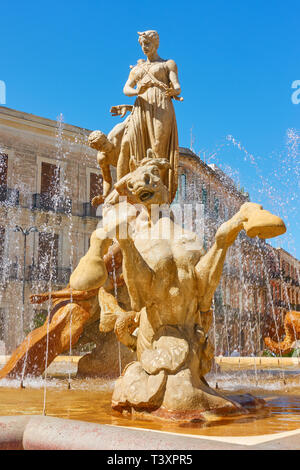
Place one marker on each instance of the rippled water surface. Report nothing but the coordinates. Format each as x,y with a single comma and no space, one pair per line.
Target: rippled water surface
89,400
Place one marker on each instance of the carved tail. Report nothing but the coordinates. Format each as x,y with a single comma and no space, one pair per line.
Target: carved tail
283,347
292,333
63,294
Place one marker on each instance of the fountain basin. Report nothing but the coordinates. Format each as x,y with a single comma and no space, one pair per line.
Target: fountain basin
87,406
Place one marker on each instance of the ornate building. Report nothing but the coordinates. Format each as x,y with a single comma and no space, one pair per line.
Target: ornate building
48,175
284,272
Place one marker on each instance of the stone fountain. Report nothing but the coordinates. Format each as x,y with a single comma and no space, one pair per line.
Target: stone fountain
168,281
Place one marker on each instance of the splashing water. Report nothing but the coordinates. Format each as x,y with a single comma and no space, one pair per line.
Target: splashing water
116,296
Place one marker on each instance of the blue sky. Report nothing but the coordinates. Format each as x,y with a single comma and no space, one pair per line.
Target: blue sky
236,59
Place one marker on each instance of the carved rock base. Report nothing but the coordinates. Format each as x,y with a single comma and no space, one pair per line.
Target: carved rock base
245,404
175,397
103,361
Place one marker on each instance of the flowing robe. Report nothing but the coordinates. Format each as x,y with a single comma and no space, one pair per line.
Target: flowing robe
152,123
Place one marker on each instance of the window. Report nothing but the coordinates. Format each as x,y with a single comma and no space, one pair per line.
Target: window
2,241
218,297
204,195
226,213
176,196
50,179
181,190
48,255
183,186
3,176
96,185
216,207
227,295
2,319
205,245
3,169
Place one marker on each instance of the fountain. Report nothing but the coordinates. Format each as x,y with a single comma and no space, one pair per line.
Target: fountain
146,277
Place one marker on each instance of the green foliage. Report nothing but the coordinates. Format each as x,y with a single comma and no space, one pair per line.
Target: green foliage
267,353
39,319
292,353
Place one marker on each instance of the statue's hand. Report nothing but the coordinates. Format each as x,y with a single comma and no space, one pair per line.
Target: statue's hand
171,92
121,109
112,198
143,86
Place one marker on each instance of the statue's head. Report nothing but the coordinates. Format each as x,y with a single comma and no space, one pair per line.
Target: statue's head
99,141
144,184
149,40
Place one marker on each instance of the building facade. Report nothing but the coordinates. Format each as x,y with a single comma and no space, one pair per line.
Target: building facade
48,176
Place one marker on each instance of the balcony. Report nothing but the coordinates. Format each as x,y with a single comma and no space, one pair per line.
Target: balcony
45,202
11,271
274,274
89,211
8,196
58,274
63,275
281,303
254,278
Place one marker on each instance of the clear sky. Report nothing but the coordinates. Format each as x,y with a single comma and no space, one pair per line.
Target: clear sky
237,60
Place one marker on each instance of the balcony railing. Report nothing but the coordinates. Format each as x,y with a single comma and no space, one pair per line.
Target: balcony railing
44,201
63,275
274,274
89,211
58,274
8,196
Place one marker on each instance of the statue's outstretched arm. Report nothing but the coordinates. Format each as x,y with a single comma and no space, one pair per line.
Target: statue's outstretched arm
121,109
208,272
256,222
175,89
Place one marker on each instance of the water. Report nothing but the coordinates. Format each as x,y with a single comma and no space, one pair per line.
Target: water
90,400
63,193
274,183
116,296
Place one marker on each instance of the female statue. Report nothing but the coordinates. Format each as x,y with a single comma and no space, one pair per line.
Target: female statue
152,122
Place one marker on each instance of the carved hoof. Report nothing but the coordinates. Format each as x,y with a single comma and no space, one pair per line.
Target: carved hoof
262,223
